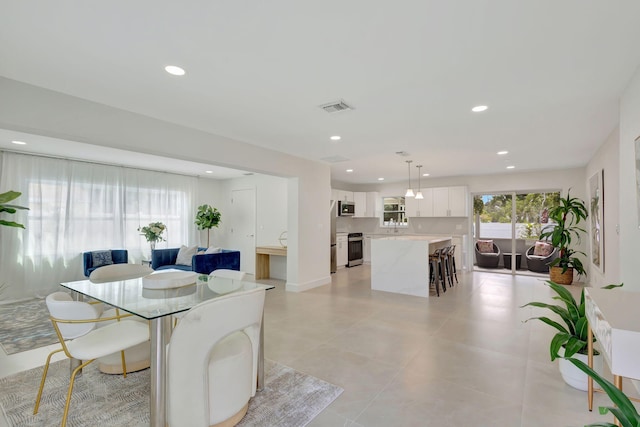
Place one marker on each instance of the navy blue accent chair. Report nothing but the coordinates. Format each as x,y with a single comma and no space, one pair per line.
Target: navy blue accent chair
118,256
162,259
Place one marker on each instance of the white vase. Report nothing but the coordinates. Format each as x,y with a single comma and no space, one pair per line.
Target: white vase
574,376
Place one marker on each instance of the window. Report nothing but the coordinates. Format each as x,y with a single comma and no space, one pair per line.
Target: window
493,214
76,207
394,211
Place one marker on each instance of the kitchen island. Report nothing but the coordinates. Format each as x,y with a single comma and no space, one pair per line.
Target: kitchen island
401,263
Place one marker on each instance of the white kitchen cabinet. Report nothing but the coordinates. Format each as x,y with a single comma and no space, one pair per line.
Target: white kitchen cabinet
342,255
450,201
368,204
426,204
458,201
366,248
374,204
342,195
441,201
360,200
411,206
420,207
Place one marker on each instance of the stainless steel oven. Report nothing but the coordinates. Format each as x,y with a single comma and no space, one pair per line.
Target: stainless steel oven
355,251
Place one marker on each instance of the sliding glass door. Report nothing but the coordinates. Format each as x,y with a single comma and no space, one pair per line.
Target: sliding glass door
513,222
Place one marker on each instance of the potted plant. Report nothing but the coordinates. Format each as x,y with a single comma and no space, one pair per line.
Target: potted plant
624,410
207,217
153,233
10,209
567,215
571,339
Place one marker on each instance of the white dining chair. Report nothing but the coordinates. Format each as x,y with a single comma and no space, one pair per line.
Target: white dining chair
138,357
228,274
117,272
212,361
75,324
220,281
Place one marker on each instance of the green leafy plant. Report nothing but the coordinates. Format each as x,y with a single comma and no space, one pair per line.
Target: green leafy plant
10,209
153,232
573,334
531,230
207,217
566,215
624,410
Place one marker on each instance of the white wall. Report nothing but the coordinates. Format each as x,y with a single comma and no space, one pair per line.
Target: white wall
628,200
48,113
271,214
607,158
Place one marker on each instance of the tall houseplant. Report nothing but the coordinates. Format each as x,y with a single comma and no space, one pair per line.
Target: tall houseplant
10,209
207,217
566,216
624,410
571,338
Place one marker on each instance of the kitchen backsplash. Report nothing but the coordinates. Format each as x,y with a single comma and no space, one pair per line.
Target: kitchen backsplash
452,226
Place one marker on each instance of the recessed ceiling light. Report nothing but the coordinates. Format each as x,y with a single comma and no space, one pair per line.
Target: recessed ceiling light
335,138
510,167
174,70
208,171
349,170
479,108
502,153
19,142
425,174
380,179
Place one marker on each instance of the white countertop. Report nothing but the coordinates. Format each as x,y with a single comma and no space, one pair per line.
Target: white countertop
430,239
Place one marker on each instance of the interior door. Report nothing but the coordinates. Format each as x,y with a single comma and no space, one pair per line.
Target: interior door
243,227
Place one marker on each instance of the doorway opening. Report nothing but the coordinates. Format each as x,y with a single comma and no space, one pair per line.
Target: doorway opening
508,225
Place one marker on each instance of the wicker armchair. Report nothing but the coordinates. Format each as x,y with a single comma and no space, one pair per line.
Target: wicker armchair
540,264
487,259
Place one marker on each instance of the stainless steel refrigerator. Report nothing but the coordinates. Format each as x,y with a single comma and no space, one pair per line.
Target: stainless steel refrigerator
333,213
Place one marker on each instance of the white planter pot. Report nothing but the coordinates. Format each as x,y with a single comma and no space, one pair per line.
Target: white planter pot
574,376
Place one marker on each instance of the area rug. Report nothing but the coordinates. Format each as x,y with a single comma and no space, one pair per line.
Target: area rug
290,398
25,325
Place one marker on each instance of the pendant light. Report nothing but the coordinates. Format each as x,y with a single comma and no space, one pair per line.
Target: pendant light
409,192
419,193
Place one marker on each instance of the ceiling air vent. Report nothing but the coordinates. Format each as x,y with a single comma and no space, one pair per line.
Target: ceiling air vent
334,107
334,159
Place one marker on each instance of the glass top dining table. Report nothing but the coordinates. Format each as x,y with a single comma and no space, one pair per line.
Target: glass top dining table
158,306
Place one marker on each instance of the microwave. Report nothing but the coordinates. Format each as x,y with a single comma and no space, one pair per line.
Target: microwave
346,208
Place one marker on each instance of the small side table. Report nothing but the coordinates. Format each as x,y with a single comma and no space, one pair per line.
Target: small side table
146,262
506,256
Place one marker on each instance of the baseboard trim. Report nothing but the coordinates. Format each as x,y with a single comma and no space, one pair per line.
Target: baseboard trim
301,287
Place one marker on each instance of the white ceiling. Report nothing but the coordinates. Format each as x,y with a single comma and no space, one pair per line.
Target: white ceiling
55,147
551,73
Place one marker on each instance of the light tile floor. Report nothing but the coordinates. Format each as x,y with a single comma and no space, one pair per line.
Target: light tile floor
465,358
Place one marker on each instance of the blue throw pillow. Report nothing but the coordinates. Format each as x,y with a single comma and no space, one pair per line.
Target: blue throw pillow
101,258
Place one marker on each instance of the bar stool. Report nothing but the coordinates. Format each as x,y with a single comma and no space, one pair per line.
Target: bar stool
446,266
452,261
435,263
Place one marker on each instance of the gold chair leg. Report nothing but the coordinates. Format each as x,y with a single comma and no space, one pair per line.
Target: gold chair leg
44,377
124,365
73,377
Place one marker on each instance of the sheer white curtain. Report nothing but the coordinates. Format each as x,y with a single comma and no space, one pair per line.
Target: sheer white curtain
77,207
